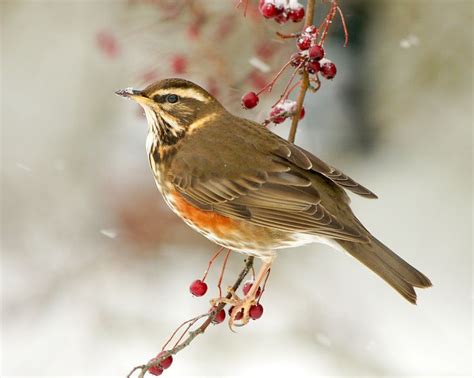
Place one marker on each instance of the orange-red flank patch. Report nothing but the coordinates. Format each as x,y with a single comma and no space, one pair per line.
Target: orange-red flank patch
209,221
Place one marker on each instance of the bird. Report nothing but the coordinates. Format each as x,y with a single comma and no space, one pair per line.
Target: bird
247,189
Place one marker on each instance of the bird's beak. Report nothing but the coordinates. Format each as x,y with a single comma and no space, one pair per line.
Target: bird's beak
134,94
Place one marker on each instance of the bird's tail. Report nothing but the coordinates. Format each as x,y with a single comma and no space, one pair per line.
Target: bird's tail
388,265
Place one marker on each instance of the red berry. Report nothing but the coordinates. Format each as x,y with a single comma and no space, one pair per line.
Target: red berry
296,15
328,69
303,112
156,370
198,288
166,363
316,52
220,316
282,18
250,100
303,42
238,316
256,311
313,67
268,10
248,285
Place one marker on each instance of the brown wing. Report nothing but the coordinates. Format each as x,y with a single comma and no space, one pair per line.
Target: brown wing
264,180
308,161
275,203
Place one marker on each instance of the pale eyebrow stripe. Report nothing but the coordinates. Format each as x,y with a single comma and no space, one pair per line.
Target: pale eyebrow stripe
197,124
183,92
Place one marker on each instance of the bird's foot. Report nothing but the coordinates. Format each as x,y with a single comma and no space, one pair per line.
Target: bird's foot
240,307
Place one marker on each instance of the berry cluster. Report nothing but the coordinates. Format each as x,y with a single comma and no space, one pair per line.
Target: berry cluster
165,364
310,58
198,288
284,109
311,55
282,11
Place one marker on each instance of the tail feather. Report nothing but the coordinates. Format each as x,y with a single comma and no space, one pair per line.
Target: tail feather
389,266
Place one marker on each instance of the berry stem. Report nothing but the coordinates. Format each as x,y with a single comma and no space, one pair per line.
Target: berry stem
177,330
246,3
287,91
191,323
305,80
221,276
287,36
211,261
335,8
344,26
269,86
264,284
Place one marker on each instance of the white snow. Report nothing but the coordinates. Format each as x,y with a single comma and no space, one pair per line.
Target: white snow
259,65
409,41
23,166
110,233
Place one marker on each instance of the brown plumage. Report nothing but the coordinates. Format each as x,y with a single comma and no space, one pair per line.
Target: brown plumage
250,190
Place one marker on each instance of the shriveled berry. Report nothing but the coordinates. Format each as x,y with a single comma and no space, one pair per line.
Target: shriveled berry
303,42
198,288
312,67
256,311
316,52
220,316
296,59
268,10
166,363
250,100
276,115
248,285
156,370
296,15
238,316
278,120
282,18
328,69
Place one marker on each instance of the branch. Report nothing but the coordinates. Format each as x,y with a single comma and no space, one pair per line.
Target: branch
202,328
305,79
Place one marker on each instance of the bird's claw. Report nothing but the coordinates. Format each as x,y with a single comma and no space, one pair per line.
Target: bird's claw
240,307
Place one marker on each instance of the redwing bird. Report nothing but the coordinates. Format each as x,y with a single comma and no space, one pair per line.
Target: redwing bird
247,189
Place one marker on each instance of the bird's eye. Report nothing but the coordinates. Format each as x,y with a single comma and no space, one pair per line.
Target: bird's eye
172,98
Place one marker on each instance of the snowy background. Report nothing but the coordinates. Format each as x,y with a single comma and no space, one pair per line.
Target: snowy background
95,270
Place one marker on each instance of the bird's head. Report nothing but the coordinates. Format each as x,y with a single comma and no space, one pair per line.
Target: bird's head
173,107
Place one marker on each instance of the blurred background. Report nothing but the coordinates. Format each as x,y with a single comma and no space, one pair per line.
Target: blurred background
95,268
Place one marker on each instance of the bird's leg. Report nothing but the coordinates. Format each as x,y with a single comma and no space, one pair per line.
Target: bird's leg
241,309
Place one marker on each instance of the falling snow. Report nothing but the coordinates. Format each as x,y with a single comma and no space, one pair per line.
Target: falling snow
259,65
23,166
409,41
110,233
